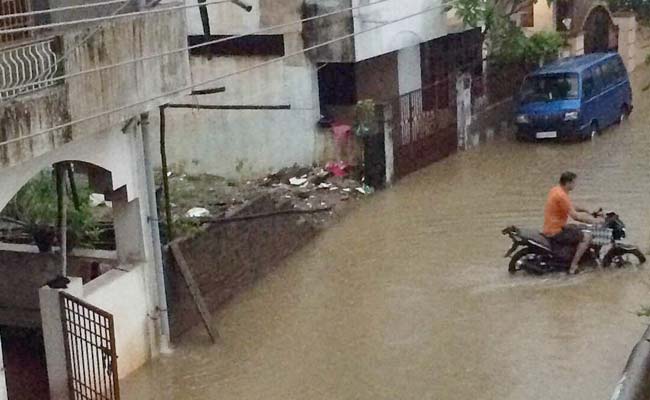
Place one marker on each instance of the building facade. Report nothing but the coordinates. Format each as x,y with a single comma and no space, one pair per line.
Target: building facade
268,117
53,111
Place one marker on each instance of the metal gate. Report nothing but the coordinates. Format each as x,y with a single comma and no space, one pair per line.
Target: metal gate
422,134
89,338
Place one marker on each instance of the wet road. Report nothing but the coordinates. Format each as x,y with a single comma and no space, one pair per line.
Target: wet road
409,297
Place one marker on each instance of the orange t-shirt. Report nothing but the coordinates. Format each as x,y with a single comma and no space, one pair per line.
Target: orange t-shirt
556,212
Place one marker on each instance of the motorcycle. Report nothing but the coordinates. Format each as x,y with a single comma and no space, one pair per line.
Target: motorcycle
534,253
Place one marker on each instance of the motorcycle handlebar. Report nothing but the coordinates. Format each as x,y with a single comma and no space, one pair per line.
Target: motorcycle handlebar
598,213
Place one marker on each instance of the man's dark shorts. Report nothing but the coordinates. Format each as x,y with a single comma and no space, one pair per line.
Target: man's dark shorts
570,235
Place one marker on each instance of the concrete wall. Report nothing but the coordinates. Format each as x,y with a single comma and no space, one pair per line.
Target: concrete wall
33,113
94,93
409,69
377,78
118,156
226,258
119,41
246,143
396,36
71,15
322,30
627,46
240,144
124,294
229,19
544,17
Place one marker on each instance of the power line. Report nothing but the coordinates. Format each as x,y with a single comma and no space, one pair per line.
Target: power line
52,68
61,9
109,18
65,56
219,78
187,48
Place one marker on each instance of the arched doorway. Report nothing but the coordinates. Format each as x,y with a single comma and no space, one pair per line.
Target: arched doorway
600,31
31,254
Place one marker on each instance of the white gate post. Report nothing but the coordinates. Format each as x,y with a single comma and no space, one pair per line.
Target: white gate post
57,371
3,380
463,109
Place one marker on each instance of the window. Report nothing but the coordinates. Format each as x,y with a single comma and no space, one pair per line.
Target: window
608,73
550,87
588,84
619,69
251,45
527,14
599,83
337,84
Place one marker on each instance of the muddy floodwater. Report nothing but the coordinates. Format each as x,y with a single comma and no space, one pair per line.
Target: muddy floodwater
409,297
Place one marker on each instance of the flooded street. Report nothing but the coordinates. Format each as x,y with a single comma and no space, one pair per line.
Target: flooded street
409,297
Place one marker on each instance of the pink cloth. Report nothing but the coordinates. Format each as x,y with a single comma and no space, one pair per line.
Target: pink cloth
342,133
337,169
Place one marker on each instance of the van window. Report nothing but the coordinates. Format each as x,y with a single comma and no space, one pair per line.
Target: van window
588,85
619,69
549,88
608,73
599,83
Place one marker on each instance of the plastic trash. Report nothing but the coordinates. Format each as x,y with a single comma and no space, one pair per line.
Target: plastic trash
197,212
297,181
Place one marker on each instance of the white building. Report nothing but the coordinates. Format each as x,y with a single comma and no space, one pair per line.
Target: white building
269,116
109,146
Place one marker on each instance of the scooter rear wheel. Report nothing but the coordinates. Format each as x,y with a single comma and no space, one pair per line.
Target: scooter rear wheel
517,260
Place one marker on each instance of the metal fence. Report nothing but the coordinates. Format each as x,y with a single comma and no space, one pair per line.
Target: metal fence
28,67
89,338
424,129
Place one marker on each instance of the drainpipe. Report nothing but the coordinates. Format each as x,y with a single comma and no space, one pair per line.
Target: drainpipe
155,234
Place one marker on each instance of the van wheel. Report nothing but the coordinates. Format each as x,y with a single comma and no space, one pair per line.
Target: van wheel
593,131
625,113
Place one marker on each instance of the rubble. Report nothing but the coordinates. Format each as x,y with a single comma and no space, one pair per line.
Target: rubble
198,196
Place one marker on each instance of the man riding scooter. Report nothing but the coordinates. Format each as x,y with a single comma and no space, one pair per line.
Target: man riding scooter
558,209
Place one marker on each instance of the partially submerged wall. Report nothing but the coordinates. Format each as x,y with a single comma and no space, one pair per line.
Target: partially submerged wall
228,257
121,292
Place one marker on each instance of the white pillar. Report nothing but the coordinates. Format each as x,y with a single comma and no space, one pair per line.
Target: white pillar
53,337
577,45
388,143
3,380
627,27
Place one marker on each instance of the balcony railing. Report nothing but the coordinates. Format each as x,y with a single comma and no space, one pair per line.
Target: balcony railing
27,68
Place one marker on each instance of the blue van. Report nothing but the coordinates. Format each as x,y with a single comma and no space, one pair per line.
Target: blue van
574,97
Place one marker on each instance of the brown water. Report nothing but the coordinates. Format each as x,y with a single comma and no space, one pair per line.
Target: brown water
410,298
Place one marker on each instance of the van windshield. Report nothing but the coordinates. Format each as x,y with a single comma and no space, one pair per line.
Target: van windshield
549,88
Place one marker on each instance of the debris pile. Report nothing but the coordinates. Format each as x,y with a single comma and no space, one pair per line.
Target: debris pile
194,197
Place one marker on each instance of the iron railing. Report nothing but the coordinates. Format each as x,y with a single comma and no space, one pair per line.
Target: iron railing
27,68
89,338
17,9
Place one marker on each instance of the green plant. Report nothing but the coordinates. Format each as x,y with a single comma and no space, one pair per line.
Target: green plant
35,207
365,122
506,42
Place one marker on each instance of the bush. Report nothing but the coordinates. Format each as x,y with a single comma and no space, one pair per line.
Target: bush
35,207
512,46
